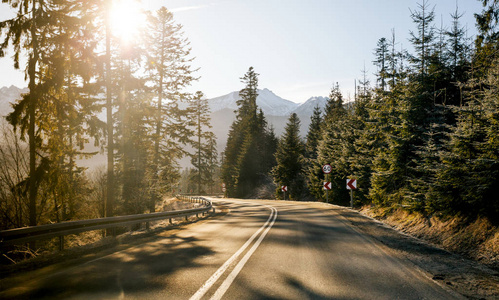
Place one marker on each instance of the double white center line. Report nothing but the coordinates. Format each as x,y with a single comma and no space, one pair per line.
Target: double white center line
228,281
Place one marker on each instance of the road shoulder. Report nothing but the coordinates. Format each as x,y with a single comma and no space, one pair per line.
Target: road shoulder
469,278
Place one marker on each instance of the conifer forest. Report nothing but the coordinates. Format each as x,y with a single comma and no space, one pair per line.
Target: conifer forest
422,135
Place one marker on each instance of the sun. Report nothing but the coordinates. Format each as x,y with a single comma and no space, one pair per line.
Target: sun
127,19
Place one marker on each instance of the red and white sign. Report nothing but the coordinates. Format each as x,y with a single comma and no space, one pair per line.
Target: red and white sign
327,185
284,188
327,168
351,184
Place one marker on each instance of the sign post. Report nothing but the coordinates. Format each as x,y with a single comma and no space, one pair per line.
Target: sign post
327,169
327,187
284,189
351,185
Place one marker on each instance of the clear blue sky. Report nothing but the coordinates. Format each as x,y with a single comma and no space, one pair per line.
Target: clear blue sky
299,47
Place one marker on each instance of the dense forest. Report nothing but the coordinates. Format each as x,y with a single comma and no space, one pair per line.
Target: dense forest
423,136
91,85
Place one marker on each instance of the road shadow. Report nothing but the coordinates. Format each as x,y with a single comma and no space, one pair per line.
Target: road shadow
139,269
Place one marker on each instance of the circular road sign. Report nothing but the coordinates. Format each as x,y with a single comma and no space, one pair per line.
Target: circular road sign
327,168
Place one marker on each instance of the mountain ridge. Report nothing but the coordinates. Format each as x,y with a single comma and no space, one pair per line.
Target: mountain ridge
270,103
276,109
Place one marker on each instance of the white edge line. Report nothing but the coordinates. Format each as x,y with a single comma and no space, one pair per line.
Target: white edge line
211,281
228,281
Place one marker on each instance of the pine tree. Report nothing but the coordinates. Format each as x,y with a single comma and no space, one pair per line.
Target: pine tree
169,72
330,147
249,140
381,61
30,25
314,135
458,54
204,157
290,159
423,38
61,52
488,35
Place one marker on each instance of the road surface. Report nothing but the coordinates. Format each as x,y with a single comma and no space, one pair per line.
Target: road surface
258,250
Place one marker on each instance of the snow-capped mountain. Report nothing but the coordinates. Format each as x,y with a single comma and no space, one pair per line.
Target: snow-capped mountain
270,103
9,95
275,108
307,108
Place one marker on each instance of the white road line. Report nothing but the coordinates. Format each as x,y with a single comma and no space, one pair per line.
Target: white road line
213,279
228,281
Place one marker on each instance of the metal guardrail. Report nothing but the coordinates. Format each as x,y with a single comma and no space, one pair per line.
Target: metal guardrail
29,234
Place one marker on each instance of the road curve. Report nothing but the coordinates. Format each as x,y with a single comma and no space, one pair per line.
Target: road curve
259,250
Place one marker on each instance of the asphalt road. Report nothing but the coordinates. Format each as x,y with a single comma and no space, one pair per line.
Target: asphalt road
258,250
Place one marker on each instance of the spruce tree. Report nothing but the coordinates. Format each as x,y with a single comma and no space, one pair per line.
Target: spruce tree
30,24
168,73
314,135
204,156
290,160
330,147
247,154
381,62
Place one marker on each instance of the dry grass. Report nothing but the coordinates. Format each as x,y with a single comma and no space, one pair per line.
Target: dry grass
478,240
21,253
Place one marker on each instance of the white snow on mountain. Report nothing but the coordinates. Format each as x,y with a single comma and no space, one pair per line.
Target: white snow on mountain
270,103
9,95
307,108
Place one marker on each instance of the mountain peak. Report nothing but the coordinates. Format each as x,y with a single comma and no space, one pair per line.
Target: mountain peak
270,103
9,95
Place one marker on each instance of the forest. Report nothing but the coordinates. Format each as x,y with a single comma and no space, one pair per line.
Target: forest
423,136
90,85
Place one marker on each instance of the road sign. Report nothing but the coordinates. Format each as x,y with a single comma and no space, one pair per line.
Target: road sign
351,184
223,185
327,185
284,188
224,190
327,168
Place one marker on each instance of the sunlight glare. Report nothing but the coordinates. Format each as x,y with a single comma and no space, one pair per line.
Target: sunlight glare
127,19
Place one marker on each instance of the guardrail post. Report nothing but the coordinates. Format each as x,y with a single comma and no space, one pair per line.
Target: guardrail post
148,226
186,218
171,221
61,242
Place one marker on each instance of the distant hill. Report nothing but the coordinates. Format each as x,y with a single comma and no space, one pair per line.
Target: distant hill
9,95
276,109
270,103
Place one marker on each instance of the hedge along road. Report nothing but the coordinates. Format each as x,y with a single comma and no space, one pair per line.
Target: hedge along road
260,249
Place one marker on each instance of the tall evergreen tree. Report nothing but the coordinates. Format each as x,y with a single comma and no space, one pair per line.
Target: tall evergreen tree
290,160
249,140
488,35
423,38
204,157
381,62
29,27
169,73
314,135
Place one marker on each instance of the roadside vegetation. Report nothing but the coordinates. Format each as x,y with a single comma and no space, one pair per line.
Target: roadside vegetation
93,83
421,139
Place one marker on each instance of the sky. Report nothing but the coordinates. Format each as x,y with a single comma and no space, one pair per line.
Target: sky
300,48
